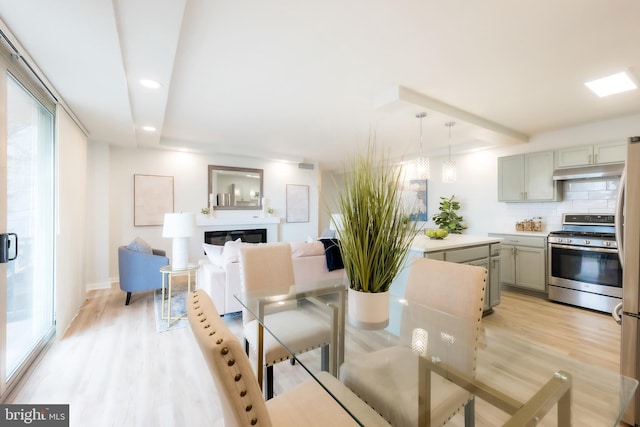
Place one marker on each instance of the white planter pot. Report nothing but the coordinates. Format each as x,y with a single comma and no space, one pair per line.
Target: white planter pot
368,310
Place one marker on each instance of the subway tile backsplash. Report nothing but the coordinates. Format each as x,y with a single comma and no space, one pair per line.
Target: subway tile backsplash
592,195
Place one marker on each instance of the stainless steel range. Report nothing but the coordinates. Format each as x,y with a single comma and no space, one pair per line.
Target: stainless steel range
584,268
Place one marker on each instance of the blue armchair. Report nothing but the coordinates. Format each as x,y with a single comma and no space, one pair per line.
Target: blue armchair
140,271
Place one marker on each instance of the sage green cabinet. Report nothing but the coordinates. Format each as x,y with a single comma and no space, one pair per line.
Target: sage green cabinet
493,296
596,154
527,178
463,249
481,256
523,261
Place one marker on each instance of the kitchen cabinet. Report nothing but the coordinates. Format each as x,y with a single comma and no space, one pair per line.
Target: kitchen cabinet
527,178
523,261
596,154
464,249
493,296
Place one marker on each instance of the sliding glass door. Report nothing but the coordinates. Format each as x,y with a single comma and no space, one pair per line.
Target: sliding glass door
28,144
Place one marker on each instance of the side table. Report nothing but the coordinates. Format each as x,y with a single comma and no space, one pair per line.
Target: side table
167,274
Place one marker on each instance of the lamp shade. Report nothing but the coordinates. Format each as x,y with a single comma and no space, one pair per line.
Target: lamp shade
179,227
336,222
178,224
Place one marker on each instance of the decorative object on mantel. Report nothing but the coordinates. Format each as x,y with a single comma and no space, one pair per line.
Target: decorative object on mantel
448,219
180,227
270,212
374,237
212,204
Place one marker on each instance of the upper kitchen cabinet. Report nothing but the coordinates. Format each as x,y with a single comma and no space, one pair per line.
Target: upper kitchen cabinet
597,154
527,178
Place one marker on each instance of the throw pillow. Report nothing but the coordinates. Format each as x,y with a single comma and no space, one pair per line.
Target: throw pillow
332,254
231,251
139,245
306,249
214,253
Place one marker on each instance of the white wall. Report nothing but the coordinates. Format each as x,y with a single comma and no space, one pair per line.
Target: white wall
71,234
98,224
190,195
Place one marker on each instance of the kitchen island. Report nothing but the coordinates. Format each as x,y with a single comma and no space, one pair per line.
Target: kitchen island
482,251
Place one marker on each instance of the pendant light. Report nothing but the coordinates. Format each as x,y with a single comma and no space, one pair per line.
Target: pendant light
422,163
449,168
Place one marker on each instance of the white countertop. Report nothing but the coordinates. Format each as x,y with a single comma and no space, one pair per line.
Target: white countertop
452,241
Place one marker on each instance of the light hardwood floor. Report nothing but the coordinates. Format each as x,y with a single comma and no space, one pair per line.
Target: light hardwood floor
114,369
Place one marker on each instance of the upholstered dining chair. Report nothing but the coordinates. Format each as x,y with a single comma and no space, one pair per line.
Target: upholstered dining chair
307,404
267,266
387,379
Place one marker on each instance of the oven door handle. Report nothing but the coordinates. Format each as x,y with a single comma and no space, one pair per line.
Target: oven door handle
583,248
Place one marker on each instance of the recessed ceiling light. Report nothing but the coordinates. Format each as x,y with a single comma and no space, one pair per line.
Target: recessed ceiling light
149,128
616,83
151,84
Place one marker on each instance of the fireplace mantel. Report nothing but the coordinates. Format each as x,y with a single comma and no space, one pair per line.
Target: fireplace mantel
208,223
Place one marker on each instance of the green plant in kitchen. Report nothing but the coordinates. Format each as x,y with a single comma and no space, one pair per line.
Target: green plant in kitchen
448,219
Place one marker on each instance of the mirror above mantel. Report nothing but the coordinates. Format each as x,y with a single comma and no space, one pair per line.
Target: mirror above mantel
235,188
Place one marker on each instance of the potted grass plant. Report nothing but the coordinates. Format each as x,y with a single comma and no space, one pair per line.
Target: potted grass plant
375,235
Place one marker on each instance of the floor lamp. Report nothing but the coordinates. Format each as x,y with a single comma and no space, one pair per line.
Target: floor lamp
179,227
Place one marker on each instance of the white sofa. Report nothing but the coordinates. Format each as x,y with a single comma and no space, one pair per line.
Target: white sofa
219,271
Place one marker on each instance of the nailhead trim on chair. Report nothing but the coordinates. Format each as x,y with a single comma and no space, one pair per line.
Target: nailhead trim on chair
224,352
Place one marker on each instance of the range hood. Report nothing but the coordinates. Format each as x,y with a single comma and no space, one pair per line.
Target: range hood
595,171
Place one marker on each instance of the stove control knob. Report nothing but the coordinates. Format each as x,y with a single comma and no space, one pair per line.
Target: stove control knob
587,242
568,241
607,243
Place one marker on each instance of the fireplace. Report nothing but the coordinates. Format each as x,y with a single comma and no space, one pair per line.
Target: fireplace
258,235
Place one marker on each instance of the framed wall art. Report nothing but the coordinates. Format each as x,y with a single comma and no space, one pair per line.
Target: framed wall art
297,203
152,198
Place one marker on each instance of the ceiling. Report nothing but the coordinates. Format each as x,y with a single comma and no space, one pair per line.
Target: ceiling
308,81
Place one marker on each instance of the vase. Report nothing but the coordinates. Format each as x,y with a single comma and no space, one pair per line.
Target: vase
368,310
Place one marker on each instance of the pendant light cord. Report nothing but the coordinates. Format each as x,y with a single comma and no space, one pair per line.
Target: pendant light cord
421,116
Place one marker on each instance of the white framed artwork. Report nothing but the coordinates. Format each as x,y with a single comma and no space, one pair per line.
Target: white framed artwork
297,203
152,198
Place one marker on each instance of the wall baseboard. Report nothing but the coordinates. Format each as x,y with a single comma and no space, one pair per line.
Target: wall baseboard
107,284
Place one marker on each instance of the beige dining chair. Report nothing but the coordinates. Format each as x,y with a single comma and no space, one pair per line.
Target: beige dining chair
387,379
269,266
307,404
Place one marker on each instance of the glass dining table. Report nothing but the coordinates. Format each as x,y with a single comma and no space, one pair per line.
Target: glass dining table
424,353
